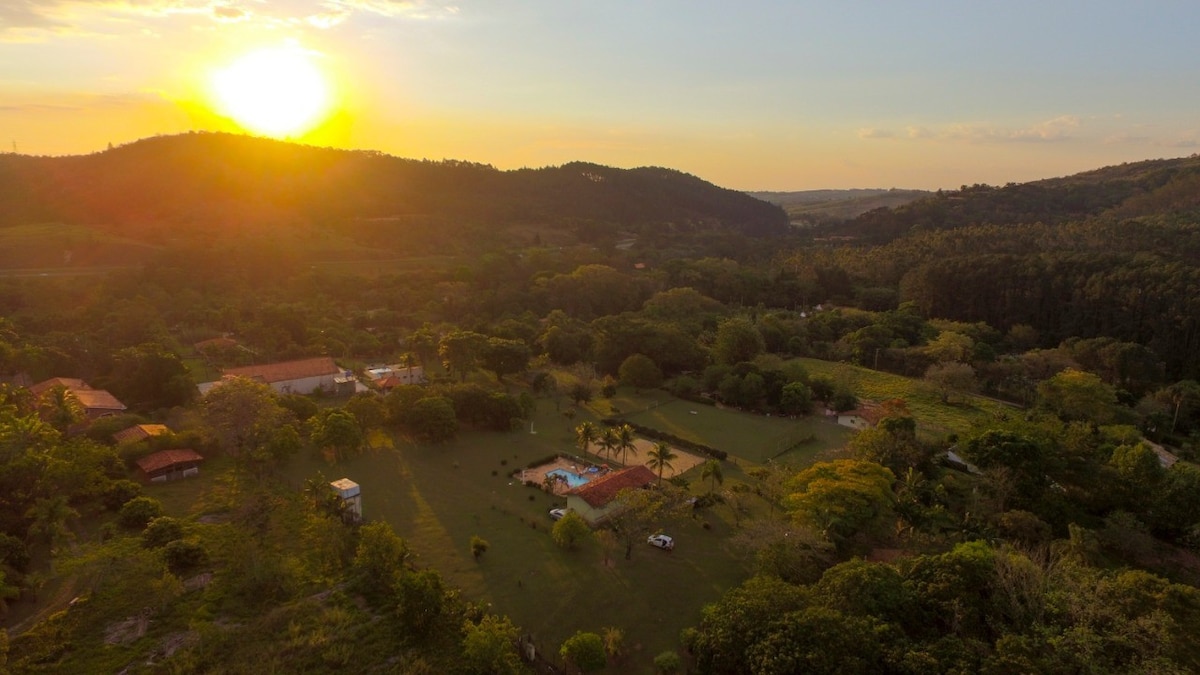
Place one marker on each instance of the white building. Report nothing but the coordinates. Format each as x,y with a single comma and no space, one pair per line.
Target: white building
289,377
351,494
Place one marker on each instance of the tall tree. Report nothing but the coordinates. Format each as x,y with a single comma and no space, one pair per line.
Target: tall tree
624,440
461,351
242,413
60,408
712,472
737,340
586,434
659,458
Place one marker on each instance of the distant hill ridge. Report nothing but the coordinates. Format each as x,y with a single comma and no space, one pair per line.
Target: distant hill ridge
1131,190
219,179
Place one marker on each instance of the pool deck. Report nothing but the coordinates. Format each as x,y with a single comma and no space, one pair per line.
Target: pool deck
538,473
638,455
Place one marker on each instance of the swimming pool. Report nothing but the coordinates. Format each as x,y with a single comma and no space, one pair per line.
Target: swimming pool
573,479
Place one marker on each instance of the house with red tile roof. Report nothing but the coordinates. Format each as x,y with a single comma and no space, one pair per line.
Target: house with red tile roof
170,464
139,432
303,376
597,501
96,403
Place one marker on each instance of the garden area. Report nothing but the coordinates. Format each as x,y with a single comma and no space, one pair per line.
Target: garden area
437,497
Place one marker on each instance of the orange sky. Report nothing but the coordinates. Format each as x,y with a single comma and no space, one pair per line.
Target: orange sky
755,95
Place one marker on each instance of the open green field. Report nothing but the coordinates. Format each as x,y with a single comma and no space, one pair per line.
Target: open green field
749,436
924,402
437,497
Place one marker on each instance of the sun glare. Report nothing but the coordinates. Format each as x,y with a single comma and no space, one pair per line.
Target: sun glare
275,91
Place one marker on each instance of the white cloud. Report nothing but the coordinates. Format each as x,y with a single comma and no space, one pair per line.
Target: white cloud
20,18
873,134
1053,130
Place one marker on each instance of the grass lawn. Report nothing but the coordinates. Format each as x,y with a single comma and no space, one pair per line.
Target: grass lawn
748,436
924,402
437,497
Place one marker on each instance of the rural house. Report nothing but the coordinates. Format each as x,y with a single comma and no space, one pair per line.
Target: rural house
289,377
96,403
139,432
597,500
170,465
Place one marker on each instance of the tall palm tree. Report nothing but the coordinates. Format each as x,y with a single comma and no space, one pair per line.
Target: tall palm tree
712,470
625,442
61,408
585,435
608,442
660,458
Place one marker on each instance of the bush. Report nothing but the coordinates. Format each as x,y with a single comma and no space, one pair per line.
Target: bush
585,650
667,663
184,554
118,492
139,511
162,531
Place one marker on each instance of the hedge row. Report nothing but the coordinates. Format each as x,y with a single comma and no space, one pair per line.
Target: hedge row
657,435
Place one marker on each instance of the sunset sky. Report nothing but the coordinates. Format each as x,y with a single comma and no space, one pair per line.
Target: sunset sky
749,95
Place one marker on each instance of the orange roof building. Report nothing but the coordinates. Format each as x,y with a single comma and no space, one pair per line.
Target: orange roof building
139,432
303,376
596,500
170,465
96,402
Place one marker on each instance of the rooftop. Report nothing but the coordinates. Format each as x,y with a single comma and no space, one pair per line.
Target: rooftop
287,370
69,382
604,489
166,459
139,431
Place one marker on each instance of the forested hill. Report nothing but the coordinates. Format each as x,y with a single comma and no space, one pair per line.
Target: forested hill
210,180
1124,191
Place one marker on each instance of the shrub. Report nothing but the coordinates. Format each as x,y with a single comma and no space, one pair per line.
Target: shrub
479,546
161,531
667,663
118,492
139,511
184,554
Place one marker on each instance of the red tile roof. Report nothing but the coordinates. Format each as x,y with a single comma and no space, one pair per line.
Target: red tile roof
92,399
139,431
98,399
166,459
288,370
68,382
604,489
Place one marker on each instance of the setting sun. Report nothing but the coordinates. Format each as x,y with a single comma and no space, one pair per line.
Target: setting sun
274,91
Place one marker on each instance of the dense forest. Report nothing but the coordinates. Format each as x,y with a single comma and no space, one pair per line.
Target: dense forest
1029,502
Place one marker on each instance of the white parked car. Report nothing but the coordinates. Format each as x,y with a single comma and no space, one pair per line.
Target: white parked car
556,514
661,541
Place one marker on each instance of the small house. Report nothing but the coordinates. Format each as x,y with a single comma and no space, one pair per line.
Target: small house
170,465
597,501
96,403
139,432
303,376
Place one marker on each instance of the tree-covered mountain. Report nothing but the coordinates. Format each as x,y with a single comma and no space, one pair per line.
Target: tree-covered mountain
1126,190
213,180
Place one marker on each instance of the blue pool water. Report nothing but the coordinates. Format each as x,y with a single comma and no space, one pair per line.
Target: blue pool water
573,479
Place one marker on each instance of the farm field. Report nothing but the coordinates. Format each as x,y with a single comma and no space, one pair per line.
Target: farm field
749,436
438,497
932,416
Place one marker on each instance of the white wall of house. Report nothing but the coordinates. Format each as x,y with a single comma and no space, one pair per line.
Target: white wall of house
306,385
592,515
